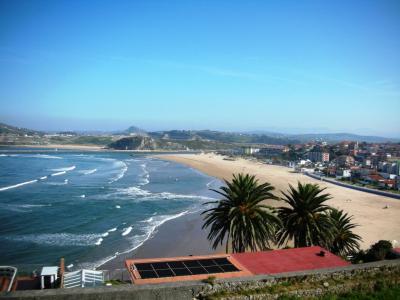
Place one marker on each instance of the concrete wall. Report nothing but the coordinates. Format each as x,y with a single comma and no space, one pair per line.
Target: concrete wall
190,290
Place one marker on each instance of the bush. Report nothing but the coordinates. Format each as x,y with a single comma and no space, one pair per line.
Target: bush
379,251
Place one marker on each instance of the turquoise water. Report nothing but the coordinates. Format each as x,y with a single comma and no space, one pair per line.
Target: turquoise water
89,207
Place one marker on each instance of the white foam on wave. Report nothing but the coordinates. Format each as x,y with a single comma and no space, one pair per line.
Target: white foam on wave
112,229
66,169
99,241
88,172
134,191
58,173
127,231
23,208
58,239
45,156
145,175
117,206
32,205
43,178
18,185
139,195
65,182
105,234
139,240
8,155
124,168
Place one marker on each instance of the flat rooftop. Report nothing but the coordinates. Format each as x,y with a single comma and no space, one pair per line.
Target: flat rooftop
159,270
289,260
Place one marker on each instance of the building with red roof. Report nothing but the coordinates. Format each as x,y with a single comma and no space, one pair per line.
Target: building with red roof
160,270
289,260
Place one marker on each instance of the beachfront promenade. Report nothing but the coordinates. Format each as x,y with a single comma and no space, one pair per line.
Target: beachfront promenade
355,187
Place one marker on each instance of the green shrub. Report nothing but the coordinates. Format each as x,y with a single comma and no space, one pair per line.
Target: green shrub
379,251
210,280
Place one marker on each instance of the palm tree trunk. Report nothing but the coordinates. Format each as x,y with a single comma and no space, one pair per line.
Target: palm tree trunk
227,244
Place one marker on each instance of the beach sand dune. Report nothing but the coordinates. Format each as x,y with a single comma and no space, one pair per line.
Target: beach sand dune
378,216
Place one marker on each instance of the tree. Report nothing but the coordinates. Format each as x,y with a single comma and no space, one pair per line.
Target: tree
344,241
305,219
240,217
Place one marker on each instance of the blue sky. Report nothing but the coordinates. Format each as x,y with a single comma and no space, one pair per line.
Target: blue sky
292,66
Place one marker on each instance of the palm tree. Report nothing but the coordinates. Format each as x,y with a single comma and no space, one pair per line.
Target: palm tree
240,217
305,219
344,241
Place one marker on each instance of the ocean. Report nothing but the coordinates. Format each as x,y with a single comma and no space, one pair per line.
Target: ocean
89,207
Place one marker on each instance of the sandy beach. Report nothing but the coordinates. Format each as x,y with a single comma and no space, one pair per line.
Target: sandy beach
376,221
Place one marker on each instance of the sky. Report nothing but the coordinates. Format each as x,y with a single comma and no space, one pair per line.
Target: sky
285,66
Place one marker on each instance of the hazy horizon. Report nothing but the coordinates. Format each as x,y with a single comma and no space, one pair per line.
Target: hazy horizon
283,130
290,67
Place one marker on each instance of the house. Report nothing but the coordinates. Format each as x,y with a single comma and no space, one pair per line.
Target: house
345,161
343,173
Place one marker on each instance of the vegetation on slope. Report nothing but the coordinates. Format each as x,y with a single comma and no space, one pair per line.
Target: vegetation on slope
383,283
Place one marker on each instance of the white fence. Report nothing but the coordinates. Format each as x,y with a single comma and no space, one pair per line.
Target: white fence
83,278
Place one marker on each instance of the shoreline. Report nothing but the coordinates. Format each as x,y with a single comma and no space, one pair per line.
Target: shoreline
376,215
58,146
77,147
174,237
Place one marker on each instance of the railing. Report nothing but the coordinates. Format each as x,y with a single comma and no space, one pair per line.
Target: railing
117,274
9,272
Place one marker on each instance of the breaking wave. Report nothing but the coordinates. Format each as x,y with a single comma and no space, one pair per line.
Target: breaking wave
88,172
23,208
143,195
138,240
145,175
66,169
18,185
58,239
124,168
127,231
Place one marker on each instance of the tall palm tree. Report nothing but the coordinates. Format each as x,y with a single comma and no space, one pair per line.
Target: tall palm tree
344,241
239,217
305,219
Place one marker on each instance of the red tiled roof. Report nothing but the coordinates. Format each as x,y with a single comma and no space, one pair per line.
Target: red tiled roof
375,177
288,260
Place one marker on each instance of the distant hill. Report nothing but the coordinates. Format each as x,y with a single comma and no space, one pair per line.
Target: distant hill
328,137
221,136
134,130
13,130
337,137
135,138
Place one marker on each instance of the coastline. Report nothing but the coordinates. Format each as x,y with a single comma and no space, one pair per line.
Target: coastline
173,238
59,146
377,216
78,147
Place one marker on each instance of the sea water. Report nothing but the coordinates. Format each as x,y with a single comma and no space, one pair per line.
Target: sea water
89,207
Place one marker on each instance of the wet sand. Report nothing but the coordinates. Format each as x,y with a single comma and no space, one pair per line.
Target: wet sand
178,237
